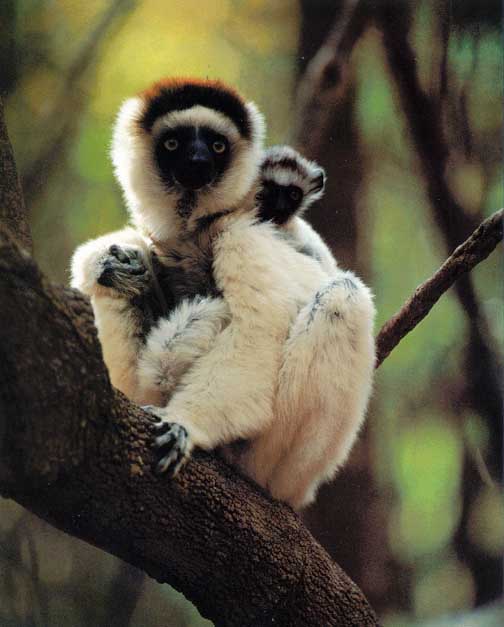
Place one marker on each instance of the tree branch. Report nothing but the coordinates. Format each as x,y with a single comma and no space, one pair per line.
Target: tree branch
475,249
77,453
323,83
12,206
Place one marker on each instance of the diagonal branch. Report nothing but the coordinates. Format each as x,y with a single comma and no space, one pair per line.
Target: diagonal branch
475,249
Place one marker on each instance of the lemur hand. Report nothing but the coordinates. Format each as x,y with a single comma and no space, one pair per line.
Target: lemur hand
124,270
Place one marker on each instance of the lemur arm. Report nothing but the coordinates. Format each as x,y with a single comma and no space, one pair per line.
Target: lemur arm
113,270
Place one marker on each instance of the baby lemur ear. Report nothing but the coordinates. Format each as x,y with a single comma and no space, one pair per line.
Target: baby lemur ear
319,182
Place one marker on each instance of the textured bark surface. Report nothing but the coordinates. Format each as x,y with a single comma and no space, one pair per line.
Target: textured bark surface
77,453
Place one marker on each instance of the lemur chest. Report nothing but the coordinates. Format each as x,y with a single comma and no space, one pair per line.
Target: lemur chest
186,271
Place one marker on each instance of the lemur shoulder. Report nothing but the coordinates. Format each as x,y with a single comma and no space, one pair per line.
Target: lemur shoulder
283,340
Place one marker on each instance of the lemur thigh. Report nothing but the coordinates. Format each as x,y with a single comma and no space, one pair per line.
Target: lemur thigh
229,393
324,387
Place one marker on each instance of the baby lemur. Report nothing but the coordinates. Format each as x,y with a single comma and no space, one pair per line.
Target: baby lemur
254,333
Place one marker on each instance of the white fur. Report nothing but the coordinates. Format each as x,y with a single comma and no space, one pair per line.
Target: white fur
284,363
176,342
306,239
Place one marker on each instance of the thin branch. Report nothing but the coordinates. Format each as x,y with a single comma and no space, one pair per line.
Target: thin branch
475,249
324,81
12,206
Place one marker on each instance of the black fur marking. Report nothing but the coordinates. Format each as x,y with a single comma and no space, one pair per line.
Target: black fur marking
276,203
206,221
184,276
287,163
186,96
186,203
309,252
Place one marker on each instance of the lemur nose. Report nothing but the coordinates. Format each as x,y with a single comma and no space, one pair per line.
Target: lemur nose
198,170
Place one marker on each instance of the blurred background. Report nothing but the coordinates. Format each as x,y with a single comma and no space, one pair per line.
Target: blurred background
406,117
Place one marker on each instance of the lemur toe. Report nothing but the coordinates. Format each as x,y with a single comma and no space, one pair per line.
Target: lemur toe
172,442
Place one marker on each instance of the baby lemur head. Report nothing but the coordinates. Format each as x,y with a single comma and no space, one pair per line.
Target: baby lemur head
289,184
183,150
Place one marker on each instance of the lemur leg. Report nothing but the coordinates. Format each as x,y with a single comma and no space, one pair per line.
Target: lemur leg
113,270
324,387
177,341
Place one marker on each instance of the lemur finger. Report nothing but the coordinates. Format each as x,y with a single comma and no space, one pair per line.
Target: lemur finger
165,439
173,435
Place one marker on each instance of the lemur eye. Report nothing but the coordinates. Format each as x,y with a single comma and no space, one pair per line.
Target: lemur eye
219,147
295,194
171,144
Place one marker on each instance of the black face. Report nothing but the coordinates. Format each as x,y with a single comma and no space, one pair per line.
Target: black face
277,202
191,157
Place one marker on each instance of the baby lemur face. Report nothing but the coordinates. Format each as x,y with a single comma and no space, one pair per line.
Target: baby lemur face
191,157
289,184
279,203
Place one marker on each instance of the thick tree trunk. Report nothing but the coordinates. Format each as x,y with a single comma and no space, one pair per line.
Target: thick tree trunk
77,453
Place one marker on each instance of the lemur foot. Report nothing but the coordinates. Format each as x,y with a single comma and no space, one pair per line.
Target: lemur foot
172,443
124,270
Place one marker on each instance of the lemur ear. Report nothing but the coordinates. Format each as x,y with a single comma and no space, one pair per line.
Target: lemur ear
319,183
